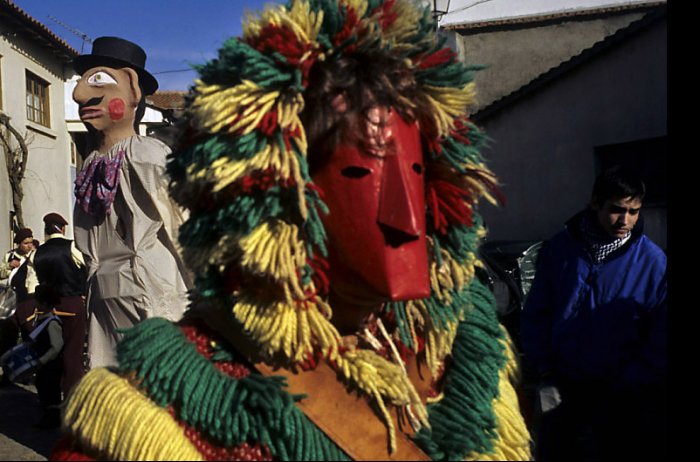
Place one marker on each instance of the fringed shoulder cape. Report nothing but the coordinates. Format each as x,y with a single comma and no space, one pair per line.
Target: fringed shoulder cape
181,392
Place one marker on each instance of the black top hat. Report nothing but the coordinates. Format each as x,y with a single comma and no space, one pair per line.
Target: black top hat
117,52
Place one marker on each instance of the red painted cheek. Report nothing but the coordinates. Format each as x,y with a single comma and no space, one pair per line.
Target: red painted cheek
116,109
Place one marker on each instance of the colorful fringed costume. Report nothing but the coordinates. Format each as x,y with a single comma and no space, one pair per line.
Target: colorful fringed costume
209,387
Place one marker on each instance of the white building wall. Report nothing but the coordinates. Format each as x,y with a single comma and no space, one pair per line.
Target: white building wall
47,183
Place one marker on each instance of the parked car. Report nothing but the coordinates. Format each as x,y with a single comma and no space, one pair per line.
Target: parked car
510,270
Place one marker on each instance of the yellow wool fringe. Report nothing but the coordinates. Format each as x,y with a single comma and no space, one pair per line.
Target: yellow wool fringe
229,109
449,103
513,441
285,327
360,6
476,185
381,379
216,253
438,341
274,249
512,367
295,330
109,416
450,275
225,171
304,23
400,32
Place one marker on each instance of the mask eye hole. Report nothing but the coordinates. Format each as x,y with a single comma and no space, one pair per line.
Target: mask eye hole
100,78
418,168
355,172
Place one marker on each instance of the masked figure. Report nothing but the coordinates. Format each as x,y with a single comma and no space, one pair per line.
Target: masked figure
331,173
125,223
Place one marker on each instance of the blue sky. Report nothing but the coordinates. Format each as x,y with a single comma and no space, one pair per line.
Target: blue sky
174,33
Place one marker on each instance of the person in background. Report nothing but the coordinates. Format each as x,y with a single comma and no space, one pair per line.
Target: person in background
594,329
60,266
48,345
25,242
24,281
125,222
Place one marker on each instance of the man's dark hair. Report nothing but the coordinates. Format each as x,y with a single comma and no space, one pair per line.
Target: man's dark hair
617,182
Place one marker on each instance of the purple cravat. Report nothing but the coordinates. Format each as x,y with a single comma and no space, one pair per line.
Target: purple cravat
96,185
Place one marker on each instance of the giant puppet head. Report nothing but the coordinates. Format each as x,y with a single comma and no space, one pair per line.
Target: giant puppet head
112,89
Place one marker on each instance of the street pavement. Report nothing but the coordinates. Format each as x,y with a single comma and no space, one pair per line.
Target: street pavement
19,438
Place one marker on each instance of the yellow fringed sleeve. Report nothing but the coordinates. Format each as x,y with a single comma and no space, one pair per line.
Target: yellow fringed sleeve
107,415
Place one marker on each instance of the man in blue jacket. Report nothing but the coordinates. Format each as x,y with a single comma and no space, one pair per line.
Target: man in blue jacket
594,330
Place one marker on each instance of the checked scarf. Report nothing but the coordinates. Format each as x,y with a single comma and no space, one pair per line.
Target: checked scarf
598,245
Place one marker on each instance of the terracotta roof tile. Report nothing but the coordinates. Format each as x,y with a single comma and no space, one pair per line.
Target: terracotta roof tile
167,99
7,7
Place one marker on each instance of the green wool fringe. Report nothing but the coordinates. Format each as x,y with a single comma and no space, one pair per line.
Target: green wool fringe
461,241
243,213
440,314
463,422
238,61
228,411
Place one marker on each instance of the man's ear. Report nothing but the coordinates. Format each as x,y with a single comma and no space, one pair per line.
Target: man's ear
134,83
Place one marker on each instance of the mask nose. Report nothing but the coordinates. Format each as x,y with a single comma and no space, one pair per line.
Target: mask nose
85,95
398,211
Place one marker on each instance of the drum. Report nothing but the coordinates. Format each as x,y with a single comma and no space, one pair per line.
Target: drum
20,363
8,300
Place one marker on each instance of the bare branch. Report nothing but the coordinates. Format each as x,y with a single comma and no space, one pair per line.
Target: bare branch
16,161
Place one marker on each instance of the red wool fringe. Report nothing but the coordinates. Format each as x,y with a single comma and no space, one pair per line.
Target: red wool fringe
200,335
387,16
460,131
268,124
211,451
351,21
273,38
66,449
320,279
448,205
441,56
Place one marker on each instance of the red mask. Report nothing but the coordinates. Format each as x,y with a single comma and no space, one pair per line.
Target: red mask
376,221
